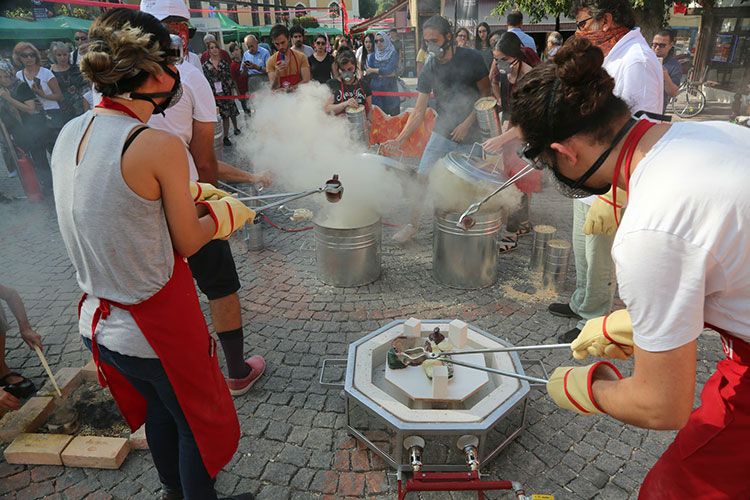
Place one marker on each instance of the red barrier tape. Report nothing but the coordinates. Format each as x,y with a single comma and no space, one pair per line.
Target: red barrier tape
378,93
95,3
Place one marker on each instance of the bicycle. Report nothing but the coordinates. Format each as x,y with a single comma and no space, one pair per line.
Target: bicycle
690,99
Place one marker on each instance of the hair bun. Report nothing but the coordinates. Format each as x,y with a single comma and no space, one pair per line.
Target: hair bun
579,67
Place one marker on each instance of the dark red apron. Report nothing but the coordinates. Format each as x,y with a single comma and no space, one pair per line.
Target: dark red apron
710,457
173,324
292,79
512,164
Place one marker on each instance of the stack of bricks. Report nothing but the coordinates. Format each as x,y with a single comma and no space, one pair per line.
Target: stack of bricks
28,447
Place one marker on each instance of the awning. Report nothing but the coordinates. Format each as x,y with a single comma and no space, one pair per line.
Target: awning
54,28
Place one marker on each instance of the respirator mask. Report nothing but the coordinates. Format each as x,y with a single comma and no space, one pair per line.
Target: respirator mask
174,54
505,66
438,51
347,76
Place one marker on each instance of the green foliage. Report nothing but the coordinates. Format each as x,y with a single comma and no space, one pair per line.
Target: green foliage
306,21
367,8
383,5
62,10
18,13
534,10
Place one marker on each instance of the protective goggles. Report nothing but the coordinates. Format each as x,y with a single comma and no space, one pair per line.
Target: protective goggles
175,53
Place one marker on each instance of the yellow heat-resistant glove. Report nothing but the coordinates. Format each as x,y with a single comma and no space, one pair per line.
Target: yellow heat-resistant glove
229,214
606,337
601,215
204,191
570,387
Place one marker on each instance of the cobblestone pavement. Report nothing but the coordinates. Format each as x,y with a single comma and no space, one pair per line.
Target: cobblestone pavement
294,444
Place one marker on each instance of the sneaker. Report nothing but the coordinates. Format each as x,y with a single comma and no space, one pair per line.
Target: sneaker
13,175
239,386
562,310
569,336
237,131
227,142
406,233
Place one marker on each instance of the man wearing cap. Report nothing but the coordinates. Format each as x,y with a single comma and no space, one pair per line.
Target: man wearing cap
192,119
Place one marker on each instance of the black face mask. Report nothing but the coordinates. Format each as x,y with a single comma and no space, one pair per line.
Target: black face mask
172,97
438,50
576,188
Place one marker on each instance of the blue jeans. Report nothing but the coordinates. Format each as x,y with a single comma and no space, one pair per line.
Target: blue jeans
170,440
437,147
595,271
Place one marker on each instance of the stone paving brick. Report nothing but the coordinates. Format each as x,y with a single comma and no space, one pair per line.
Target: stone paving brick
351,484
35,490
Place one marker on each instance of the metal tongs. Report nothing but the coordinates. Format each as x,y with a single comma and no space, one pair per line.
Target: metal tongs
418,355
466,221
332,189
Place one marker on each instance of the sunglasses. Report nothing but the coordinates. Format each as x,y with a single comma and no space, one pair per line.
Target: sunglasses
379,40
580,24
460,36
659,45
81,38
320,43
27,54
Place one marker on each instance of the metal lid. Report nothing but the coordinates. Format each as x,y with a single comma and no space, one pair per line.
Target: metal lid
473,168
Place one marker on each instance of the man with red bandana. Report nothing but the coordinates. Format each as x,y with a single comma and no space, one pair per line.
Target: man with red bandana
628,58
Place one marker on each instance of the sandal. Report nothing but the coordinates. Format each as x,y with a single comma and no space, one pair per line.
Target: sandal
22,389
508,243
524,229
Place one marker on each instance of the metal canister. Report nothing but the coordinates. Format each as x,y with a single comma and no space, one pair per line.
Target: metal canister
253,232
358,123
348,257
557,257
542,234
218,136
465,259
487,117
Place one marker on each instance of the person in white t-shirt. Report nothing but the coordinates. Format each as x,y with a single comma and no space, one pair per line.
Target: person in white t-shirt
610,25
681,254
192,119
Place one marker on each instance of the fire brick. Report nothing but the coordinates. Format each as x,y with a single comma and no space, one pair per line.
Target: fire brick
38,449
88,372
138,439
95,451
28,418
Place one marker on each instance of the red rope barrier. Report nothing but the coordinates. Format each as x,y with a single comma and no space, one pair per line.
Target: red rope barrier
96,3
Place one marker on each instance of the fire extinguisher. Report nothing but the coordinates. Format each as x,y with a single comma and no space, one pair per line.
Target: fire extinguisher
28,177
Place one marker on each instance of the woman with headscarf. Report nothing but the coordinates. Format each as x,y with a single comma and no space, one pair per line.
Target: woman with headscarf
382,66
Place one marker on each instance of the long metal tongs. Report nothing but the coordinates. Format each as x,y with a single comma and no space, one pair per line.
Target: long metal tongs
466,222
418,355
332,189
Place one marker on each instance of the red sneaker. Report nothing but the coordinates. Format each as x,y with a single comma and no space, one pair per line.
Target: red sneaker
239,386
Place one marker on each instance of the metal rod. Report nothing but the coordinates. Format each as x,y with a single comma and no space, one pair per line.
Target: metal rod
229,186
505,349
287,200
496,371
266,196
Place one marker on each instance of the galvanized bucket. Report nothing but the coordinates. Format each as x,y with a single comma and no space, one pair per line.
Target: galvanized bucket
348,257
465,259
358,123
487,118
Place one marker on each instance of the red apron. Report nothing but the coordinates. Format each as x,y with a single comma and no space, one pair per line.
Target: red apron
710,457
292,79
173,324
512,164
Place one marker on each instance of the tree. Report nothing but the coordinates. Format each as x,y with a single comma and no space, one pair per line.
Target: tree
367,8
650,15
383,5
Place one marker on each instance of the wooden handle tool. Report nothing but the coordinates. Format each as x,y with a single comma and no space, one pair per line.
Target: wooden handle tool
46,368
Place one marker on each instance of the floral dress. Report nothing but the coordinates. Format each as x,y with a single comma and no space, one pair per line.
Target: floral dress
220,80
71,83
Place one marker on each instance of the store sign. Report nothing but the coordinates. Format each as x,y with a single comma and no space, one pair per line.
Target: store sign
467,13
39,10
